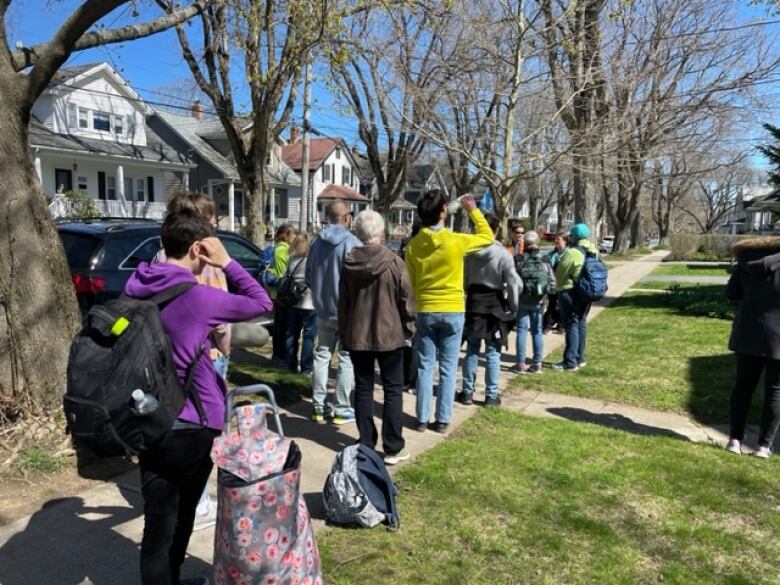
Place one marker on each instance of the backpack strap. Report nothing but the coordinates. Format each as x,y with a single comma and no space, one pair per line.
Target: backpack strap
171,293
160,299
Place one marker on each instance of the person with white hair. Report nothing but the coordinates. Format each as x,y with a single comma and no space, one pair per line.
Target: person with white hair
376,317
538,282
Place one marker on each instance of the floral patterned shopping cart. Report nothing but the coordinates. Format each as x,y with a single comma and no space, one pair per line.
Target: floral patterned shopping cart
264,534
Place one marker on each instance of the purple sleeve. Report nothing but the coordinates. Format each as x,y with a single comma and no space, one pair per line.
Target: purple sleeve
249,300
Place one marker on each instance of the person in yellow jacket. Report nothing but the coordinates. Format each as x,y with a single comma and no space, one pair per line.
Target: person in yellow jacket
434,258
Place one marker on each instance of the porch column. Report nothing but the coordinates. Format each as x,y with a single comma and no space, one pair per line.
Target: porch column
120,188
38,167
400,217
272,208
232,206
186,181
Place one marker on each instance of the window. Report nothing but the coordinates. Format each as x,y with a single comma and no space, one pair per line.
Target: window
143,253
82,183
141,190
338,153
101,121
72,116
131,125
346,176
243,254
119,125
83,118
111,188
326,173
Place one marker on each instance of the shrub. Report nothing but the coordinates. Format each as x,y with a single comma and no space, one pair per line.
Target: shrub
702,247
80,205
700,301
661,247
36,459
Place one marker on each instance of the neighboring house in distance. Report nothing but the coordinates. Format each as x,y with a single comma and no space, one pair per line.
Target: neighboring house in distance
754,212
333,172
204,140
88,133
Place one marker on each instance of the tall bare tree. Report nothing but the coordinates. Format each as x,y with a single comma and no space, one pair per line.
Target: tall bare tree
38,312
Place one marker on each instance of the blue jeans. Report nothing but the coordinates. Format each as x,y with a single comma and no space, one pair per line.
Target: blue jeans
440,332
327,340
221,365
492,366
530,318
297,320
574,316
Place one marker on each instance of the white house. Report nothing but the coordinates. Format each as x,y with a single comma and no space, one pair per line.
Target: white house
89,133
333,172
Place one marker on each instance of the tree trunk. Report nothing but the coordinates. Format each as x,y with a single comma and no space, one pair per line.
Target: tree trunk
38,311
636,232
621,241
584,211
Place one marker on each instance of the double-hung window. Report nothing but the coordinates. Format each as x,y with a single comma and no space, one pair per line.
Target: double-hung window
101,121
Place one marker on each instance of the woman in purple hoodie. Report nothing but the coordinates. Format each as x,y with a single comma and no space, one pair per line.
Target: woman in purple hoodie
174,472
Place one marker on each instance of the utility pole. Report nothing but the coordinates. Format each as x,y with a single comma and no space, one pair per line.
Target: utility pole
306,203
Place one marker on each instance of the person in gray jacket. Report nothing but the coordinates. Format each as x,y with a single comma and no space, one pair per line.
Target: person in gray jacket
755,339
492,288
323,275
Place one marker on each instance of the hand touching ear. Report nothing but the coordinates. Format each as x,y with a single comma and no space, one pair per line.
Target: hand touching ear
213,252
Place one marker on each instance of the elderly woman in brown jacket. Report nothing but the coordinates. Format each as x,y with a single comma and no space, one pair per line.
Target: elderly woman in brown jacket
755,338
376,322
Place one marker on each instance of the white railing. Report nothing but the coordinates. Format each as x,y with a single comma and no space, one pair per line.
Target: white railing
63,207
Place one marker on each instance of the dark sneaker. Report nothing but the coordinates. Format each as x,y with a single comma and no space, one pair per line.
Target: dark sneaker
519,369
464,398
535,369
421,427
562,367
440,427
396,458
491,402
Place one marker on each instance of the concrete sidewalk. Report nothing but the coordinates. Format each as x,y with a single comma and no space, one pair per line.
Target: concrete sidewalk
94,537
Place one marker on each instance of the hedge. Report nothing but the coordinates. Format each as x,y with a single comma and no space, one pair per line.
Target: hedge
703,247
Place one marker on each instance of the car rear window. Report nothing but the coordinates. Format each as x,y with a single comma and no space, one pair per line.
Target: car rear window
79,248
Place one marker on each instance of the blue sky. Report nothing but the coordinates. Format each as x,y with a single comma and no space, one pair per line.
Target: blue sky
154,62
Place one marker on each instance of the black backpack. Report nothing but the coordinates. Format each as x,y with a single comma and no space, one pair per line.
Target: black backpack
289,292
123,347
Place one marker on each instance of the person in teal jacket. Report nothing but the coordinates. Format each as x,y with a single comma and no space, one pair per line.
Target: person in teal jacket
574,309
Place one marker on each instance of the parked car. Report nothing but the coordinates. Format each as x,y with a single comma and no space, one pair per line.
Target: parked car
605,247
103,253
550,236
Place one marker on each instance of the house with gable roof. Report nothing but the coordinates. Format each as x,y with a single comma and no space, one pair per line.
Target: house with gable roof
333,171
88,133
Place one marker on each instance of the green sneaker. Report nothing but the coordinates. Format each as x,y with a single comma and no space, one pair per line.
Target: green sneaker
343,419
318,415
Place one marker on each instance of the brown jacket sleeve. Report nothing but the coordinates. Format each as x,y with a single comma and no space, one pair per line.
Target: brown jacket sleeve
406,304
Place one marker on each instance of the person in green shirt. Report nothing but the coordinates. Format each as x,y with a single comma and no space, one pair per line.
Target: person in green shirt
285,234
573,308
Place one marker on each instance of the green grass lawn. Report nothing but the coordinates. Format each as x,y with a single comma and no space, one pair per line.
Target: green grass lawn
689,270
643,352
516,500
247,368
667,284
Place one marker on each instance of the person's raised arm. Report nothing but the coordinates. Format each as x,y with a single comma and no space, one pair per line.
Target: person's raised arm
247,302
483,235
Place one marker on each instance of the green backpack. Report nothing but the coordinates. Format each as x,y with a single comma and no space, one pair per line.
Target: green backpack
536,279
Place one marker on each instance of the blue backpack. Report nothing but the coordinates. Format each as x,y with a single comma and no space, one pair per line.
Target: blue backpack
265,276
359,490
592,283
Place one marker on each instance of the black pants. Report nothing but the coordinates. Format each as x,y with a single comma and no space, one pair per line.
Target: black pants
391,371
173,476
280,332
749,368
552,317
410,367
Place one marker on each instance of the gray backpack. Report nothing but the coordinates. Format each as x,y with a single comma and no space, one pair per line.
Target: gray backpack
359,490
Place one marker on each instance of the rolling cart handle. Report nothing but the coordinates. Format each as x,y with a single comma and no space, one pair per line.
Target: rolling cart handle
255,389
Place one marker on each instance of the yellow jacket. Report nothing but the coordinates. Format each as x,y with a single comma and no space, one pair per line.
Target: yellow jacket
434,259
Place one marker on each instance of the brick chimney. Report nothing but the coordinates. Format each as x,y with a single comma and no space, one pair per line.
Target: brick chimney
197,110
294,135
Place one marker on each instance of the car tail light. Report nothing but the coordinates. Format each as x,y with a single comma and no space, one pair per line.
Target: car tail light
85,284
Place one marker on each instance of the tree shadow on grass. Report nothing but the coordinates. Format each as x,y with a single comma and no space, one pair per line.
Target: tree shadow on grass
613,420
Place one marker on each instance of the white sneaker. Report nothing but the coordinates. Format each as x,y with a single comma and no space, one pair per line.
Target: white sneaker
734,446
205,516
762,452
396,458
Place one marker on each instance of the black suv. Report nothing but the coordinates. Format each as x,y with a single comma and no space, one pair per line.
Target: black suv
103,253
